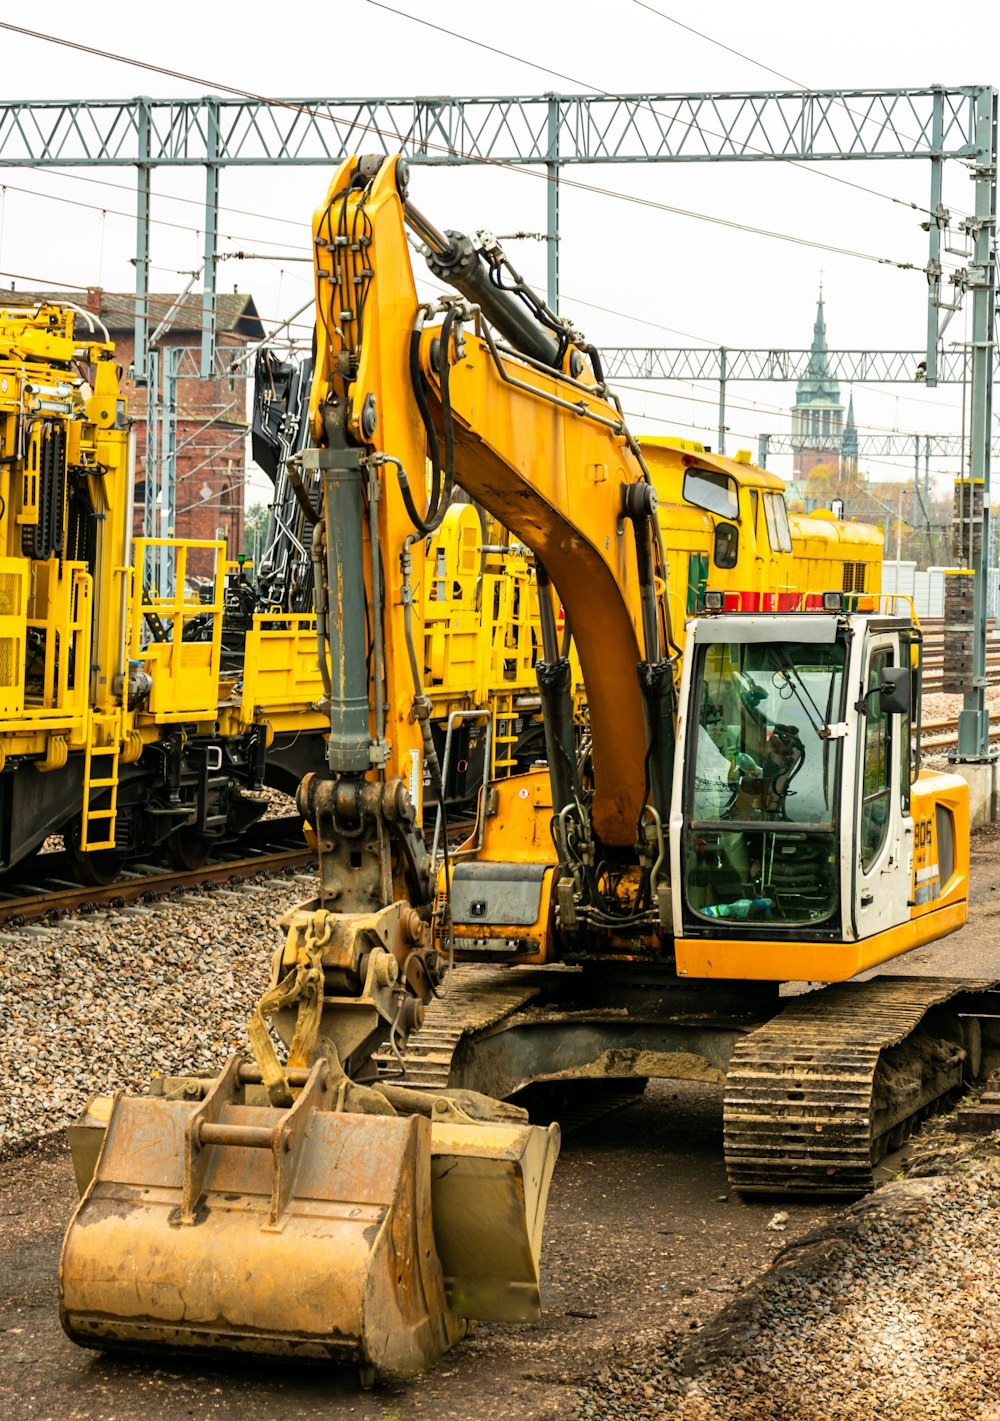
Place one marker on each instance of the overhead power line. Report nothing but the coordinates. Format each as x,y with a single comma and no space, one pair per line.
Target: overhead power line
610,94
575,183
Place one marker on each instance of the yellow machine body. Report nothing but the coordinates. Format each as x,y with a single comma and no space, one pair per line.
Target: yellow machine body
321,1204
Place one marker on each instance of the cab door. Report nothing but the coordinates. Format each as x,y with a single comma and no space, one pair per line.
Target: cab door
883,829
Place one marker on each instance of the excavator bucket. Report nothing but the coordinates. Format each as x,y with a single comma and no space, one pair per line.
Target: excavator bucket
305,1232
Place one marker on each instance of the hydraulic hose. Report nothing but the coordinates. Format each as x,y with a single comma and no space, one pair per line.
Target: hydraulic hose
440,497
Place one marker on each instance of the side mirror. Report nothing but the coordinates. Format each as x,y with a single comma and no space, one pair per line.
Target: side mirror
894,690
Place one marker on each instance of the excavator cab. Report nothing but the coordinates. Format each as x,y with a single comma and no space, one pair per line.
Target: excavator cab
799,819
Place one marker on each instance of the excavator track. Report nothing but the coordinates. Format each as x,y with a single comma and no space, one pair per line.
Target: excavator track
477,997
814,1097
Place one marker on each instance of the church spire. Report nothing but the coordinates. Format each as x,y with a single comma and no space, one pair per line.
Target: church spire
819,365
816,384
817,415
849,445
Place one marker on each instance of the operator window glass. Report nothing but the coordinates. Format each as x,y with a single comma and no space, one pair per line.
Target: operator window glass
778,532
727,545
753,511
761,842
716,493
781,522
876,792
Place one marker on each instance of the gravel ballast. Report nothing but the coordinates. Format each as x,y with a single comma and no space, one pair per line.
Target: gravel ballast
100,1003
890,1313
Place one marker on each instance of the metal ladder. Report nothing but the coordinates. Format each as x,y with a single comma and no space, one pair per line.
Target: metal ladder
504,762
102,727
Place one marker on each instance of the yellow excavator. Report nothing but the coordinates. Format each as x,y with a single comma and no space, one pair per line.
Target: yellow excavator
741,813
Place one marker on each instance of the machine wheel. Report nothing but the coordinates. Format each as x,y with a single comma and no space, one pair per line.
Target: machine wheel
95,867
186,850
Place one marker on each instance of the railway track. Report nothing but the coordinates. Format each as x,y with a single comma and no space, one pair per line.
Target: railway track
44,891
934,656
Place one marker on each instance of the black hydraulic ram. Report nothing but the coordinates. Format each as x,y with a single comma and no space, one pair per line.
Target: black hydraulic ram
656,675
555,687
452,257
349,750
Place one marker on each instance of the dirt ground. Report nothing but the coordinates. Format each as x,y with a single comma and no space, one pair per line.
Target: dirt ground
643,1242
642,1239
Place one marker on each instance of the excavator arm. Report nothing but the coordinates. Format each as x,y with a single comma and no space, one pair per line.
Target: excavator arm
506,403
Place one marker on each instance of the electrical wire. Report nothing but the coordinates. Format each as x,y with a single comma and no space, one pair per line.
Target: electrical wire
452,153
154,221
657,113
42,286
758,64
198,202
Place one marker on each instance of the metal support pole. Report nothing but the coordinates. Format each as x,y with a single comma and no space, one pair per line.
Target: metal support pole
722,399
552,206
211,242
934,233
168,484
152,452
916,482
762,443
143,175
973,721
927,483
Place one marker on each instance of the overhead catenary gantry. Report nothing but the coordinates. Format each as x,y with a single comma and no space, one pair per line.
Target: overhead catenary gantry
720,363
552,132
544,131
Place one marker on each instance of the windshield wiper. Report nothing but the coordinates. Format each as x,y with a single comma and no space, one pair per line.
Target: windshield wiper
820,727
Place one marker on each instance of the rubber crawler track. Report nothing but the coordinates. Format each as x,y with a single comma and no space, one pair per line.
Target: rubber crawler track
799,1101
476,997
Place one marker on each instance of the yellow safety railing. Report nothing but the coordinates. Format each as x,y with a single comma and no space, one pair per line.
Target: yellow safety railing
281,663
58,696
185,674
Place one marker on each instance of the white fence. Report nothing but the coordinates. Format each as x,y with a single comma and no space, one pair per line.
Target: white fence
926,586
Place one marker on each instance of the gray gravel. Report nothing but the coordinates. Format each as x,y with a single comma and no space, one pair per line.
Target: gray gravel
892,1313
99,1003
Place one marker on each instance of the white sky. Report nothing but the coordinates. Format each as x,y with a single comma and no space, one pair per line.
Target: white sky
712,284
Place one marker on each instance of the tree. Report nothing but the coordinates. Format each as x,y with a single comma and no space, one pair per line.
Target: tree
254,531
824,485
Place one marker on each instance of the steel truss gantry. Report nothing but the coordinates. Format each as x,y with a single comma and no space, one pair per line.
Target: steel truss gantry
872,446
721,363
553,132
543,131
726,364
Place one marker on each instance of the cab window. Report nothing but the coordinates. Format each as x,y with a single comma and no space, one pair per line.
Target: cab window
876,789
763,774
727,545
715,493
753,512
779,534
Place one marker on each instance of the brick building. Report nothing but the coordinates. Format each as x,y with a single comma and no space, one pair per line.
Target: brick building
211,414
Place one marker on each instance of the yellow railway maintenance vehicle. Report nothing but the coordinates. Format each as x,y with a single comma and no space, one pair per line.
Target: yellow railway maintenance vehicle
120,726
747,815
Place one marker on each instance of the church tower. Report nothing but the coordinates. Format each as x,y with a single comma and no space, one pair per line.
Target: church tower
817,415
